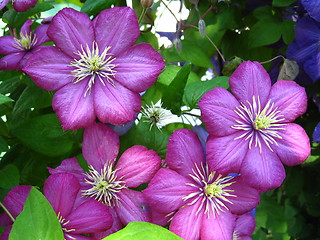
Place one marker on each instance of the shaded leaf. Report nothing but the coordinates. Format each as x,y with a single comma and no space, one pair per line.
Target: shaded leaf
9,176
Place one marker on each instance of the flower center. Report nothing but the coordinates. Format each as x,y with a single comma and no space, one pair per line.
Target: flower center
26,42
213,191
259,125
156,115
94,65
104,186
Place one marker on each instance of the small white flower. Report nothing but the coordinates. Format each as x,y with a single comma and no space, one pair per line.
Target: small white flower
156,115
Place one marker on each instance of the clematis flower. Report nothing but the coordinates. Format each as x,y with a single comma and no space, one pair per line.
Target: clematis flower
109,182
304,49
18,50
201,202
313,8
13,202
61,190
245,225
19,5
251,131
95,66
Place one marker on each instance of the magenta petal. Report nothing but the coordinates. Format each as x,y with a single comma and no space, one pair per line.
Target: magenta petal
70,30
23,5
3,3
7,45
15,199
290,98
49,69
61,190
100,145
90,217
217,111
73,108
247,197
132,207
116,105
250,79
294,147
184,152
245,224
138,67
138,165
26,27
69,165
166,190
69,236
218,227
117,28
117,225
187,223
11,61
263,171
41,34
225,154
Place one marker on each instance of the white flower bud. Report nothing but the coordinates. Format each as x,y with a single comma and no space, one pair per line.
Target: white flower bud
289,70
202,27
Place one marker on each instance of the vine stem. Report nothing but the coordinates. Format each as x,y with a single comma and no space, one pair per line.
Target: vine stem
7,211
144,11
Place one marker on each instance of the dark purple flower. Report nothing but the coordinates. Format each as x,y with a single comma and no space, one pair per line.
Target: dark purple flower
245,225
251,131
18,50
201,202
305,48
19,5
108,181
313,8
95,66
90,217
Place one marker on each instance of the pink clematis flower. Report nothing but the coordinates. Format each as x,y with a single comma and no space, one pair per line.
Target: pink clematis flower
95,66
251,131
245,225
18,50
90,217
19,5
14,202
108,181
61,191
200,202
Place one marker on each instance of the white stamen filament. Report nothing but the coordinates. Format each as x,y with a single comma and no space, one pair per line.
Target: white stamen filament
26,41
211,189
259,125
93,64
104,185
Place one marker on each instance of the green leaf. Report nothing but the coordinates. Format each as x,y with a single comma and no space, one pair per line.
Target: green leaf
282,3
4,99
33,97
16,19
287,30
92,7
9,176
37,220
270,215
264,32
44,134
194,91
3,144
151,138
194,54
172,98
142,231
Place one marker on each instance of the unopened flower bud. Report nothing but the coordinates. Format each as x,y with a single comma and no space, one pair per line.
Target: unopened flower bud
146,3
177,44
202,28
289,70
